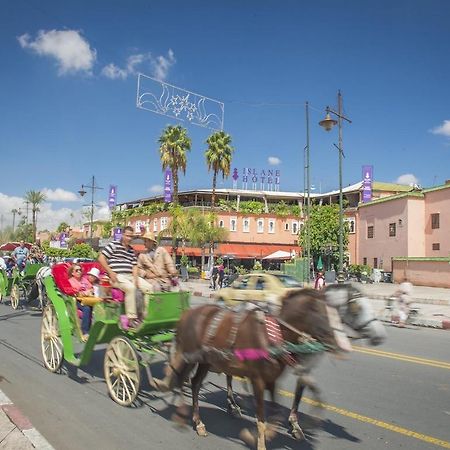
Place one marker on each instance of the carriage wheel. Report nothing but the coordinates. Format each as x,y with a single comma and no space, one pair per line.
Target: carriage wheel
122,371
51,343
15,296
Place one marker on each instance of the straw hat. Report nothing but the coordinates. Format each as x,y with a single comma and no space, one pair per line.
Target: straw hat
148,235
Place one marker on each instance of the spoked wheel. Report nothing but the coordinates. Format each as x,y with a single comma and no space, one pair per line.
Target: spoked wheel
122,371
15,296
51,343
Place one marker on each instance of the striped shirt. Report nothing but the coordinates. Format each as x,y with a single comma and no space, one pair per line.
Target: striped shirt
120,258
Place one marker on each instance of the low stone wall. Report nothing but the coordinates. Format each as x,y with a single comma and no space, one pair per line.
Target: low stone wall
434,272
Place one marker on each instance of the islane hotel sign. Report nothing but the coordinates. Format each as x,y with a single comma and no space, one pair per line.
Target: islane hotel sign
255,179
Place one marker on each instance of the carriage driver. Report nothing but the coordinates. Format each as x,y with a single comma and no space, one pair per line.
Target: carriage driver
120,263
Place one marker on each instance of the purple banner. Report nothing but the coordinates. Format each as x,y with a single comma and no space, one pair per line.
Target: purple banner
168,186
112,196
367,174
62,240
117,236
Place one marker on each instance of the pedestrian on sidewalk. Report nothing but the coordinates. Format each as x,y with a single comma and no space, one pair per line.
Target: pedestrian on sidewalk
404,300
319,284
214,276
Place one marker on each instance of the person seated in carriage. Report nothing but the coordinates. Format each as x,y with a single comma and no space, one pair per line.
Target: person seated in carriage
119,261
83,288
156,267
20,255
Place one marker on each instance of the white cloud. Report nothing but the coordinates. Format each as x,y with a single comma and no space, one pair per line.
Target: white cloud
159,66
443,129
162,65
70,49
113,72
156,189
407,178
59,195
274,161
49,217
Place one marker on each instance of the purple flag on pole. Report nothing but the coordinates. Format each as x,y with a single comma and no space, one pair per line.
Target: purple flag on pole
112,196
367,173
62,240
168,186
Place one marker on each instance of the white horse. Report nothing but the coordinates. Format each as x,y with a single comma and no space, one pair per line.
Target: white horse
41,274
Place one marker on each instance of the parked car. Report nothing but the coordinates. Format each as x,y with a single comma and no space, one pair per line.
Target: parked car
258,287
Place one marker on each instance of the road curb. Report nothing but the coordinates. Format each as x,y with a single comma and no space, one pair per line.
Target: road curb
16,429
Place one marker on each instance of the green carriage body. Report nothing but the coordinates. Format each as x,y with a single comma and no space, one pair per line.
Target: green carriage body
20,284
163,312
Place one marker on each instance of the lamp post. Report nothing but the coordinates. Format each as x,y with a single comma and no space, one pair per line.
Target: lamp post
82,192
308,196
14,212
328,123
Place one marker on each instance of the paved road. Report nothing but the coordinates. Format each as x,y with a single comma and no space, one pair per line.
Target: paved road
396,397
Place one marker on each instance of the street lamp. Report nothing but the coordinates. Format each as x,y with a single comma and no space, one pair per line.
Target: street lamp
82,193
328,123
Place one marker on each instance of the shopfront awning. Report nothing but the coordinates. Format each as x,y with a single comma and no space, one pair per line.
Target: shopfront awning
248,251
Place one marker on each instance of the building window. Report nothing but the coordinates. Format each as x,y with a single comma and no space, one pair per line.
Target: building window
435,221
375,263
392,229
221,223
286,226
365,261
370,232
233,224
271,226
246,225
294,227
436,246
155,225
260,225
351,224
163,223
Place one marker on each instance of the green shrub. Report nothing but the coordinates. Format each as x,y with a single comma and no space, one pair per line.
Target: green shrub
192,270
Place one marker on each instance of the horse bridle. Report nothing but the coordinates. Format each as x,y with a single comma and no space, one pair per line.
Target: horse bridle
364,324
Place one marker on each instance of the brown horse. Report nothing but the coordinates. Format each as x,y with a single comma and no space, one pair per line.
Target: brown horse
237,344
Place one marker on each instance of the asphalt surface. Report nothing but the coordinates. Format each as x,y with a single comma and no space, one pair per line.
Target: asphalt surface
394,396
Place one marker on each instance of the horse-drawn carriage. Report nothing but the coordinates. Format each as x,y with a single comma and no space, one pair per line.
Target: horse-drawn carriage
19,285
128,349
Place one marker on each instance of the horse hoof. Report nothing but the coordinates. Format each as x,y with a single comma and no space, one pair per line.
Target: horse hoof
235,411
297,433
201,430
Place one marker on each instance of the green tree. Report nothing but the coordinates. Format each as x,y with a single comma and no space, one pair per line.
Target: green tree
23,231
218,158
180,227
174,144
324,231
205,233
35,198
63,226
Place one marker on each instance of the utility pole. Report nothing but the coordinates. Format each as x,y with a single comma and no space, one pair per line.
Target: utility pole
308,196
82,192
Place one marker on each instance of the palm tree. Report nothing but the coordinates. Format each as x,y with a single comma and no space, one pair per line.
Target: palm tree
218,158
35,198
174,143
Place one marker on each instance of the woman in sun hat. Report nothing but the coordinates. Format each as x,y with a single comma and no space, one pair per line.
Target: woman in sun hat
94,277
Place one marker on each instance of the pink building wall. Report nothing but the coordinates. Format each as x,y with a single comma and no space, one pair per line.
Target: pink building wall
423,272
437,202
382,246
415,226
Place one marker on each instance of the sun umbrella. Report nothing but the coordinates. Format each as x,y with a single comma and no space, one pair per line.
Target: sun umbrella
10,246
320,263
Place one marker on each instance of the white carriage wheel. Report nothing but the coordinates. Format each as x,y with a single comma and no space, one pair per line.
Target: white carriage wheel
122,371
51,342
15,296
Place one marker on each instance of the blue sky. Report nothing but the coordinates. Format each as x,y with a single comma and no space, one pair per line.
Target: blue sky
69,75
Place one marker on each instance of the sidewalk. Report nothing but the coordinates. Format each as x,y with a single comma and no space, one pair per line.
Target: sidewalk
16,431
433,303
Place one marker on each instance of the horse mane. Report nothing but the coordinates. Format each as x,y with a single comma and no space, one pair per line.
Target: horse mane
287,296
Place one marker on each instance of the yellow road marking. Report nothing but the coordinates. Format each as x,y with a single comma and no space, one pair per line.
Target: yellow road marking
378,423
400,357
